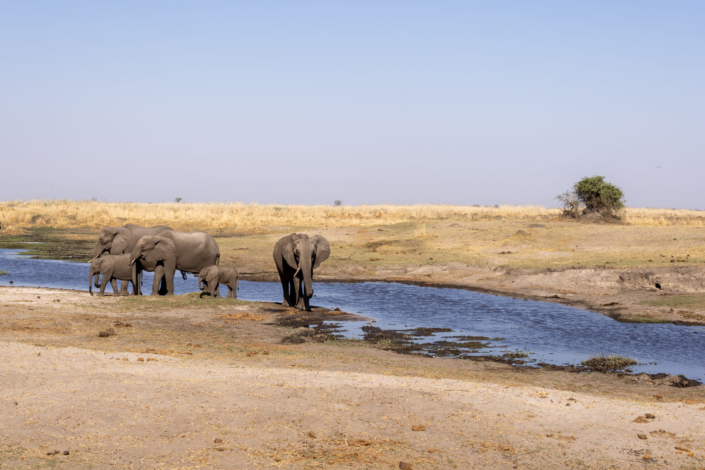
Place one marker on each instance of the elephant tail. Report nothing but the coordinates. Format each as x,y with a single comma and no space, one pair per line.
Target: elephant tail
183,275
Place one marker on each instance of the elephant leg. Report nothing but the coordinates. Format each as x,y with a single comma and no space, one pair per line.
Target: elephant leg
307,307
123,287
233,291
217,290
298,294
285,288
169,271
158,276
107,278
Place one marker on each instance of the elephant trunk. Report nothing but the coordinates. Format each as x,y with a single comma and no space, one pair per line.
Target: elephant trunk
306,268
200,281
135,279
134,256
90,280
98,250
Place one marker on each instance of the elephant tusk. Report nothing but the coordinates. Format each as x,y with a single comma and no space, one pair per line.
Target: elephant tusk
94,258
297,271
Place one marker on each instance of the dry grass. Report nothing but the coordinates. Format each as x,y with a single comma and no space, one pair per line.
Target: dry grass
15,215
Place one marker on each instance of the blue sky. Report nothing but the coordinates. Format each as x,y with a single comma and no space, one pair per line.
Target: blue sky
502,102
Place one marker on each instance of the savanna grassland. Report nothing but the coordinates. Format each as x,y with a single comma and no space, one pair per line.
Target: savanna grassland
185,382
517,250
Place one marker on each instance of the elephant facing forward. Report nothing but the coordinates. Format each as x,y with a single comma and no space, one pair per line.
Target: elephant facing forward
169,251
212,276
296,256
113,267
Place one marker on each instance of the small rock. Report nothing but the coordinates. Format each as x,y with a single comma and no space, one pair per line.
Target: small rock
312,435
649,416
220,449
646,457
405,466
277,459
642,436
140,359
641,420
15,403
567,404
57,452
684,449
39,354
103,334
418,427
66,452
217,440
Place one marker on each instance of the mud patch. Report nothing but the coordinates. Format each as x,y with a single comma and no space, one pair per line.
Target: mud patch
309,330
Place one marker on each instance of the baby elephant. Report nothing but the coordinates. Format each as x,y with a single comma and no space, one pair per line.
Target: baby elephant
112,267
212,276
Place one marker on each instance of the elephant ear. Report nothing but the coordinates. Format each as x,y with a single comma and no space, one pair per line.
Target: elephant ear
322,249
288,251
164,249
212,275
122,238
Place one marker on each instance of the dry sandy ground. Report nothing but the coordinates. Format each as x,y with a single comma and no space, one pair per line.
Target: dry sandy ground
109,409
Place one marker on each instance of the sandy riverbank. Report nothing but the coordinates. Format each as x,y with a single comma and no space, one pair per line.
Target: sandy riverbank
214,371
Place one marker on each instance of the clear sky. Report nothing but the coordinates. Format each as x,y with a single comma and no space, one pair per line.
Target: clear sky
459,102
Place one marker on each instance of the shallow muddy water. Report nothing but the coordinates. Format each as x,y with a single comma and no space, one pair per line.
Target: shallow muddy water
549,332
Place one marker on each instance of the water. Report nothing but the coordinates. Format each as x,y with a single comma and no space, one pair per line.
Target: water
553,333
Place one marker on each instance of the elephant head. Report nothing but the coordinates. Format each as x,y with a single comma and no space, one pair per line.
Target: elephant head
153,249
306,254
209,275
94,271
113,240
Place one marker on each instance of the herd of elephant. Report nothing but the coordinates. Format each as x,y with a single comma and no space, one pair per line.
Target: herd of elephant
132,249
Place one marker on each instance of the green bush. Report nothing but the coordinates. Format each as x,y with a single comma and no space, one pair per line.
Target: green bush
592,195
598,195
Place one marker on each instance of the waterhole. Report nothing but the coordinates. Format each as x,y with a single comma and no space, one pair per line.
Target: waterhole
482,324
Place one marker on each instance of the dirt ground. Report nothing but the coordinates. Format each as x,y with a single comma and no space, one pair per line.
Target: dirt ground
203,383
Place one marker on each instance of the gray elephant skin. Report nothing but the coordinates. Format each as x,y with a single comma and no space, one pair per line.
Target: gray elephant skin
296,256
119,240
212,276
169,251
113,267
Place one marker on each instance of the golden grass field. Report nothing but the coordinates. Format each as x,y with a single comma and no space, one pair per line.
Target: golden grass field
15,215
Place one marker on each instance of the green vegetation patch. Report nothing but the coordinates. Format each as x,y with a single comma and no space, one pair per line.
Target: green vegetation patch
49,243
612,362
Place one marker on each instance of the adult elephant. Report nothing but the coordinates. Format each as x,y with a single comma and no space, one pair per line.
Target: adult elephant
296,256
169,251
119,240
